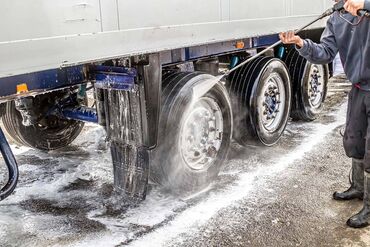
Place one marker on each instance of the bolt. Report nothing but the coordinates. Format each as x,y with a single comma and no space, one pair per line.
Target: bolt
203,141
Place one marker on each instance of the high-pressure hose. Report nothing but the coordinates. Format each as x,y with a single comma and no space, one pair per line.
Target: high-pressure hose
204,87
337,7
12,166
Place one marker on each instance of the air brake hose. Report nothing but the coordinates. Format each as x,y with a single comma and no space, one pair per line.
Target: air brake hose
12,166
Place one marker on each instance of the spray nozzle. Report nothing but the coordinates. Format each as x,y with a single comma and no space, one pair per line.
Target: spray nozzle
339,6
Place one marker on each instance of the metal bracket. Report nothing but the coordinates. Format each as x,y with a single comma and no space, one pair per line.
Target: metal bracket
115,78
151,89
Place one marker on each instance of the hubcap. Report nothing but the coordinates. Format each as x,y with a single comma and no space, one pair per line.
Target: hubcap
201,134
272,102
316,85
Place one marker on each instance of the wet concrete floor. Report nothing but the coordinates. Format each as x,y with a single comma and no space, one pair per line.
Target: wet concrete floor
278,196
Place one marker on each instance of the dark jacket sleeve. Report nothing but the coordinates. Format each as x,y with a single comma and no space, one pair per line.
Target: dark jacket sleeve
367,5
324,52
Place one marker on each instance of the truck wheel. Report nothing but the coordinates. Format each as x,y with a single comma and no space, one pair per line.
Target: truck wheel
309,86
194,134
2,110
49,133
261,93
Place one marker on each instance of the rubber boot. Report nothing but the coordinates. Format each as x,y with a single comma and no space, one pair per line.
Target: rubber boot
362,218
356,190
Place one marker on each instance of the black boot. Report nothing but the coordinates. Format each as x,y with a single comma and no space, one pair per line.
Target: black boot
356,191
363,217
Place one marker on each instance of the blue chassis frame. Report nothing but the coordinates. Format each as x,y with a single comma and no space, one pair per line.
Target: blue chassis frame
44,81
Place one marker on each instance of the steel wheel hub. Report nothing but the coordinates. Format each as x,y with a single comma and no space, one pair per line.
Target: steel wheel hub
316,85
272,102
201,134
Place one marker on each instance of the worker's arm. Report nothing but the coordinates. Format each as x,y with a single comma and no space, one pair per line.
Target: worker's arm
322,53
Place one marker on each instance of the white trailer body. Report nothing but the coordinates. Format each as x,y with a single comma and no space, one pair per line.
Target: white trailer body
43,34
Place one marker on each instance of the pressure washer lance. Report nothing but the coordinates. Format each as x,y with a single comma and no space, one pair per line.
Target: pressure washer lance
337,7
203,88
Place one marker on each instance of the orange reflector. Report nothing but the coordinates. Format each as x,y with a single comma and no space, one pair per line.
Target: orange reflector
22,88
239,45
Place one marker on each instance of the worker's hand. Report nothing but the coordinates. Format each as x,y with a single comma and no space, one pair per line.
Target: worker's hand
353,6
291,38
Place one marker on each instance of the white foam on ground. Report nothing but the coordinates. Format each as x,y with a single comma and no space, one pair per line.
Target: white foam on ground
48,188
189,221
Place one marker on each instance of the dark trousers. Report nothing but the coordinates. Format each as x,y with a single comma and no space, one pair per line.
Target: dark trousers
356,140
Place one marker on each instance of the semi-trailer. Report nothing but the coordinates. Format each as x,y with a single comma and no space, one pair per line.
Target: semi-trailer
144,61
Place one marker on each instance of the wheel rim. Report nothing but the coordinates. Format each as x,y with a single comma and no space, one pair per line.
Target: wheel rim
201,134
272,102
315,85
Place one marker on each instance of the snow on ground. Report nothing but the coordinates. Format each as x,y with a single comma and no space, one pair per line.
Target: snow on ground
65,197
169,218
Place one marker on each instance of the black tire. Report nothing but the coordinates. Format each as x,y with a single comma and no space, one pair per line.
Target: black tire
305,106
170,167
49,134
247,87
2,109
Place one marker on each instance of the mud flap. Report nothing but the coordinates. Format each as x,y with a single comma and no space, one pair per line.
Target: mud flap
131,170
124,131
120,111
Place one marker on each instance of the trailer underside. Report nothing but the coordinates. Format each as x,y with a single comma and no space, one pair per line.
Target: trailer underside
137,101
